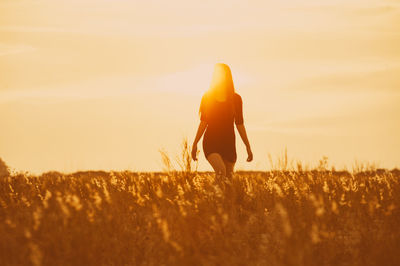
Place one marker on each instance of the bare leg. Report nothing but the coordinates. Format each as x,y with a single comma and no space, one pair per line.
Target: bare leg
229,168
217,164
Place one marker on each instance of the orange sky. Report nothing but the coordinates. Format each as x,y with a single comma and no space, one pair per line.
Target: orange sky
105,84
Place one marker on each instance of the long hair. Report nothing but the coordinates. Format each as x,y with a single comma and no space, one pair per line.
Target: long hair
221,81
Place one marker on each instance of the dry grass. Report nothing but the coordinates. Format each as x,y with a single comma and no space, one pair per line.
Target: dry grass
315,217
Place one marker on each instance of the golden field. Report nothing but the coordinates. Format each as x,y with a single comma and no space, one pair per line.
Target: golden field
280,217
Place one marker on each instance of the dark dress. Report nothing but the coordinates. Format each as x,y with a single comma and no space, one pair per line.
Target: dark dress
220,133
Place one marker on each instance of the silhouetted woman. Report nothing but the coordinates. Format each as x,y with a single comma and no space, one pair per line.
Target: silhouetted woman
220,109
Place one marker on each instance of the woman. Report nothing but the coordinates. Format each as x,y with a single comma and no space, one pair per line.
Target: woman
220,108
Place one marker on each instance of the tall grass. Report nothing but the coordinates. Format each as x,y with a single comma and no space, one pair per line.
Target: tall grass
184,160
184,217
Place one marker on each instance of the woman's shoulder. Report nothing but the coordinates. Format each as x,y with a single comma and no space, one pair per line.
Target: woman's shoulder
237,98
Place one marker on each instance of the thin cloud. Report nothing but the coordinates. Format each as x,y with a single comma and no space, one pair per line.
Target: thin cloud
370,120
373,9
387,79
15,49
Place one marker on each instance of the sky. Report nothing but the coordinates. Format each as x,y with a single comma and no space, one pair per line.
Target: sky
106,85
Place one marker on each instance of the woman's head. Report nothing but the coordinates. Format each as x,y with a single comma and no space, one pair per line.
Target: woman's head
221,85
221,82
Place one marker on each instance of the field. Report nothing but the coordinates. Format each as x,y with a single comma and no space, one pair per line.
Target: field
296,217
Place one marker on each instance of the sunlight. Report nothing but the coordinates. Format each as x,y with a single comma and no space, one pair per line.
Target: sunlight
303,68
194,81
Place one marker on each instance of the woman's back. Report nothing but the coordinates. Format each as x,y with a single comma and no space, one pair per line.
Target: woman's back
218,114
220,134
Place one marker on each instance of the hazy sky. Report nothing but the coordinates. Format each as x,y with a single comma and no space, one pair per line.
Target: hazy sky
105,84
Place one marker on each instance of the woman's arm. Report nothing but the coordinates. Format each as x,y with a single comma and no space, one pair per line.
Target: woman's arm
202,127
243,135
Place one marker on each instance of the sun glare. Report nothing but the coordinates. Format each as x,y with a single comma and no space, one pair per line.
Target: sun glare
194,81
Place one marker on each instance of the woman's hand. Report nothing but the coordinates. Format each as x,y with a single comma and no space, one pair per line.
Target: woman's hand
194,152
249,154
